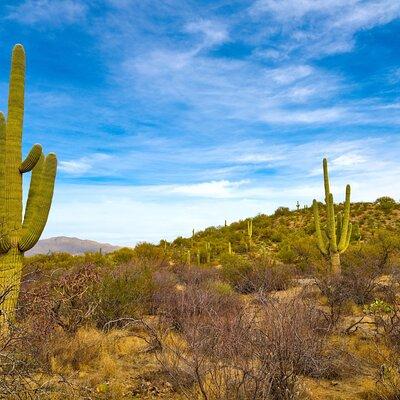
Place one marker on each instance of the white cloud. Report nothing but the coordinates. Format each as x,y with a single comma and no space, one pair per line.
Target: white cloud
319,27
84,164
213,189
349,160
52,12
214,32
290,74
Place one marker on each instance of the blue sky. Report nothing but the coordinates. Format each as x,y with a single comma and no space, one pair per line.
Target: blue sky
173,115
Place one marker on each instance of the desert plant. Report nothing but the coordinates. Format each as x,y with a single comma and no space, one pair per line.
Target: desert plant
386,204
16,236
250,231
336,237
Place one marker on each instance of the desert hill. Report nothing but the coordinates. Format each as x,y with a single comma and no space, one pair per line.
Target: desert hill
72,245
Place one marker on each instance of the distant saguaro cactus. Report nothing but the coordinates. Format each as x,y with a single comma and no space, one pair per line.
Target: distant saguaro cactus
230,248
188,258
208,252
250,231
336,237
17,236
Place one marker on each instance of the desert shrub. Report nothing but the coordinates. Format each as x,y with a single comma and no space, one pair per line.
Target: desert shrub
192,303
335,291
386,204
197,275
63,299
361,268
300,250
277,235
286,253
260,273
221,288
251,353
41,262
122,256
236,270
123,292
149,254
268,275
280,211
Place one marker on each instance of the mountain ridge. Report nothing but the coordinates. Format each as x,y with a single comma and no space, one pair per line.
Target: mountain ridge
72,245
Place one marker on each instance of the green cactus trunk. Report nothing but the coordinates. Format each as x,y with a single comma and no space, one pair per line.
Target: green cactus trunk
17,236
250,232
10,278
337,235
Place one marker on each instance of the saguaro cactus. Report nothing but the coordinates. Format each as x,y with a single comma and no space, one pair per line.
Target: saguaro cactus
17,235
249,231
208,252
188,258
336,237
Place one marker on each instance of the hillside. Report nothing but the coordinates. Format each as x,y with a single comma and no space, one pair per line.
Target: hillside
278,232
72,245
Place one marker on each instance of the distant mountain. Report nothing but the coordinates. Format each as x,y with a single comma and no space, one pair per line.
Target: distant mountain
70,245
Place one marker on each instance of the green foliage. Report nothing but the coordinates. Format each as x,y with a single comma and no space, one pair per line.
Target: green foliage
147,252
378,307
386,204
281,211
123,256
124,292
256,274
355,233
235,270
221,288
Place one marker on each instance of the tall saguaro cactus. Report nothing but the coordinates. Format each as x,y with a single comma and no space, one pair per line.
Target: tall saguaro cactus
18,235
335,239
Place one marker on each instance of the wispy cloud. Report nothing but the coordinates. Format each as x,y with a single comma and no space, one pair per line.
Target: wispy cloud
323,27
84,164
52,12
213,33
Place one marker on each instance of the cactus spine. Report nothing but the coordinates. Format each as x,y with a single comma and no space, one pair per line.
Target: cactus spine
336,237
17,236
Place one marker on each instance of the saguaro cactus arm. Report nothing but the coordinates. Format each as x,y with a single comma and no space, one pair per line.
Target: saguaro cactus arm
41,205
331,224
326,178
31,159
345,226
33,202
